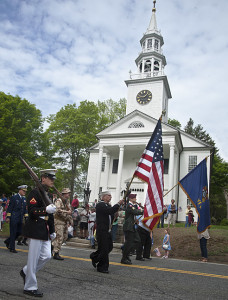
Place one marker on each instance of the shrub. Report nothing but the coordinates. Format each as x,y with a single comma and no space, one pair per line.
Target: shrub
224,222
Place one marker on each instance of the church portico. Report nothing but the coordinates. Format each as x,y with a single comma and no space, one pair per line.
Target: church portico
117,160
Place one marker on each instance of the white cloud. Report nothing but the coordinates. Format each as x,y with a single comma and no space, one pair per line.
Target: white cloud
63,51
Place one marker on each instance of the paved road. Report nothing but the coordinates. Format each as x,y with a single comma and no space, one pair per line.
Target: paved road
75,278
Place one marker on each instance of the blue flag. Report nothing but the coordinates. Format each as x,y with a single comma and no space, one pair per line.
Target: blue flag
195,186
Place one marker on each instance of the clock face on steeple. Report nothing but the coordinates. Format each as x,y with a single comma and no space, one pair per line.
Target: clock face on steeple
144,97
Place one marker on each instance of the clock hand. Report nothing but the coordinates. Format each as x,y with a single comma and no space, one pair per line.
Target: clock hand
145,95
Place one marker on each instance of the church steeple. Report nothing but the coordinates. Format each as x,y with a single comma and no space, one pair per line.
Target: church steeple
151,59
153,22
148,89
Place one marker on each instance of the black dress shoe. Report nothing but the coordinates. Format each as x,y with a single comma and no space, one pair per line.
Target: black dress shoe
140,258
57,256
126,262
13,250
23,275
94,264
20,243
102,271
7,244
35,293
148,258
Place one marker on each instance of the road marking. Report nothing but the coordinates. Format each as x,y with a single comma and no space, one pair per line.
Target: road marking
143,267
155,268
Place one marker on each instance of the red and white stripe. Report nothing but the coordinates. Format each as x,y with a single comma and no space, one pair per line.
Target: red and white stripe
154,197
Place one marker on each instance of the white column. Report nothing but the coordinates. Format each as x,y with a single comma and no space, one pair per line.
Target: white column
119,175
107,168
171,169
176,168
98,171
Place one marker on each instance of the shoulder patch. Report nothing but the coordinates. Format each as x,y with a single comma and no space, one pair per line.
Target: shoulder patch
33,201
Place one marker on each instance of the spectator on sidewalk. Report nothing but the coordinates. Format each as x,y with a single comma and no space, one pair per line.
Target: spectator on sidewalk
75,202
186,216
84,216
172,213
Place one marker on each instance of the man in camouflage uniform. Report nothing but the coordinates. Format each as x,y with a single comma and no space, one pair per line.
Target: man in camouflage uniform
62,216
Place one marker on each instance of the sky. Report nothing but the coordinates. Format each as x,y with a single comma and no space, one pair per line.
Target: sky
59,52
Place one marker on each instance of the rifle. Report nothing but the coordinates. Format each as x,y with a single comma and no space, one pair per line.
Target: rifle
40,187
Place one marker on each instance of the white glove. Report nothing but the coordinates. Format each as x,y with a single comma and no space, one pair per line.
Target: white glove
53,236
50,209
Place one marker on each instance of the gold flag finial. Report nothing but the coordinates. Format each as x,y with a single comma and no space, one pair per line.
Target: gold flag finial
154,9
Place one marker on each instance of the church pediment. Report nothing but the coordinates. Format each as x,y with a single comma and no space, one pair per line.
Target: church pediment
135,123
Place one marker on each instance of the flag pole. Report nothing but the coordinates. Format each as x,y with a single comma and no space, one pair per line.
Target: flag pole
128,187
170,189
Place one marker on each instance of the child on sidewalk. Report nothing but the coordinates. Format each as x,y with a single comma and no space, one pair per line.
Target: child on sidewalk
166,243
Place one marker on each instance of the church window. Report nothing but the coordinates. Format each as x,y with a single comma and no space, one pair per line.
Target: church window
136,124
192,162
166,166
140,68
156,45
156,65
143,45
147,67
103,164
115,166
149,43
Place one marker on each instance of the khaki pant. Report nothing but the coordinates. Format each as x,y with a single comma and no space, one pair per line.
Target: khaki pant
57,243
172,219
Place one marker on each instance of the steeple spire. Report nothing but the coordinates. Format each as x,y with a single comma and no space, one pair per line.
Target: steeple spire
153,23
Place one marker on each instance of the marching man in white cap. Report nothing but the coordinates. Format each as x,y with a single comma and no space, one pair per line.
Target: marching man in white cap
40,229
15,213
104,217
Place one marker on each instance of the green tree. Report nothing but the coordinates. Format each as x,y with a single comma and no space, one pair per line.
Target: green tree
110,111
20,126
174,123
198,132
219,173
72,130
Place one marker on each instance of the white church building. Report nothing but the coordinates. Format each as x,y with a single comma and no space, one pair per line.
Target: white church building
114,158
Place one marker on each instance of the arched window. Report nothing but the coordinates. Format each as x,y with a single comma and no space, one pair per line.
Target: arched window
136,124
156,45
147,67
149,43
156,65
140,68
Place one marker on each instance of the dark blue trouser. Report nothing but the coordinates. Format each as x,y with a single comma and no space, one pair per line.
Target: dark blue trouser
203,247
15,231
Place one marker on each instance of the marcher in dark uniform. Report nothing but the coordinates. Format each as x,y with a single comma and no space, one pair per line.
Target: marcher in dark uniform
144,248
132,239
15,213
104,217
39,228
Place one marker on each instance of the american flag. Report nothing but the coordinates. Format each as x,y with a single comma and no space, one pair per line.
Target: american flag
151,169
